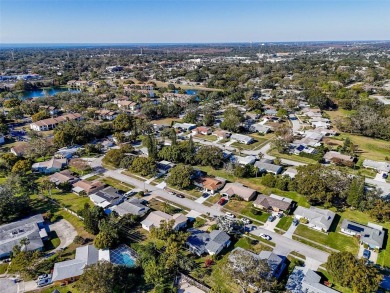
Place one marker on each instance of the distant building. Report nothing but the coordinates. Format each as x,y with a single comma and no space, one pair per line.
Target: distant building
87,186
32,228
63,177
51,123
184,126
260,128
332,157
106,197
269,168
19,149
164,166
203,130
132,206
210,184
244,139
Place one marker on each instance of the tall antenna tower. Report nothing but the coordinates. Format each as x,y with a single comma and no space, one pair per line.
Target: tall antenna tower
12,55
141,51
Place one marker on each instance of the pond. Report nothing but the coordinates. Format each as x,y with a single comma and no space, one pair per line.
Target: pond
46,92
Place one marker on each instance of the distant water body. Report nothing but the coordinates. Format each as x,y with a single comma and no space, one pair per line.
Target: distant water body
46,92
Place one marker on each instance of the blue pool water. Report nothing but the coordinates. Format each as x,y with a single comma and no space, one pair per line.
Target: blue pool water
122,256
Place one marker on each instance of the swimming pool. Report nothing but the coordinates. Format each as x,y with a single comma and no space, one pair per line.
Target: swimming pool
123,255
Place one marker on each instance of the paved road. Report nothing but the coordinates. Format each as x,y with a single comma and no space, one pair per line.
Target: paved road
8,286
296,125
65,231
285,245
190,204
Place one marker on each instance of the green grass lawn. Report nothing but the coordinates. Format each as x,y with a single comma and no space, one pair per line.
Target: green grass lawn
333,239
206,137
117,184
71,288
71,201
248,244
292,157
258,141
284,223
94,177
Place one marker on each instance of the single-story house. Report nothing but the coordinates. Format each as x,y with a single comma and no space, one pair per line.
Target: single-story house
87,186
241,138
319,219
19,149
210,184
32,228
67,152
273,202
333,156
201,242
131,206
222,134
63,177
104,114
248,160
276,263
239,190
184,126
164,166
290,172
49,167
106,197
202,130
260,128
378,166
303,279
373,235
155,218
51,123
269,168
70,270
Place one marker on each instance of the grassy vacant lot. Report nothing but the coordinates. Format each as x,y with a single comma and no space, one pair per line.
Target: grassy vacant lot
245,208
333,239
71,201
117,184
284,223
291,157
42,205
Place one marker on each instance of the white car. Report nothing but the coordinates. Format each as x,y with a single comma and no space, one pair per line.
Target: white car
246,221
230,215
265,236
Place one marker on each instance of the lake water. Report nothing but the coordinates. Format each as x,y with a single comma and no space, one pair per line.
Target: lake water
46,92
188,92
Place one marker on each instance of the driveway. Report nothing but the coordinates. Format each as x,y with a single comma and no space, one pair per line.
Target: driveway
373,254
289,233
188,203
8,286
65,231
285,245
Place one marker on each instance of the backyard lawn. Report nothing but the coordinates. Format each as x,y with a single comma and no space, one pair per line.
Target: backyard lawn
292,157
71,201
247,243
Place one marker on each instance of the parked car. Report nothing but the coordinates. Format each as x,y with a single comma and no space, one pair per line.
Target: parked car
384,176
246,221
222,201
280,215
230,215
43,277
205,195
265,236
180,195
366,254
295,222
271,218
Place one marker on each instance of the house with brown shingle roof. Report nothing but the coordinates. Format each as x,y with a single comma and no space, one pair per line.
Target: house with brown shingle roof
63,177
87,186
239,190
51,123
273,202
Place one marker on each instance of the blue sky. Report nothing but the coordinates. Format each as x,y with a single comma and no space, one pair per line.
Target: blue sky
164,21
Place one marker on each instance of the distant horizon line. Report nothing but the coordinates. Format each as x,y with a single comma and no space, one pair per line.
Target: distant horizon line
43,44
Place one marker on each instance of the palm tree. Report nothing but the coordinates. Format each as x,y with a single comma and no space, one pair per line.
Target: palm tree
24,242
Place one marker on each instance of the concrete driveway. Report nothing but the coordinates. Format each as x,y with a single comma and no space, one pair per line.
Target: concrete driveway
8,286
373,254
289,233
65,231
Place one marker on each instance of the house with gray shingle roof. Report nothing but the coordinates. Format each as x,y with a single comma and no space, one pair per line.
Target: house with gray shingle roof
201,242
378,166
132,206
372,235
269,168
319,219
305,280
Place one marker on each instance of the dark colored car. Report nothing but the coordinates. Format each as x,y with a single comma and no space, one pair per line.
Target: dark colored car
366,254
271,218
180,195
222,201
